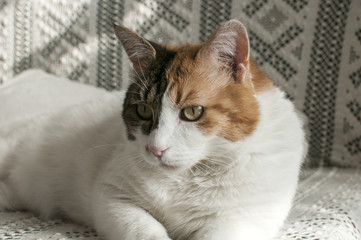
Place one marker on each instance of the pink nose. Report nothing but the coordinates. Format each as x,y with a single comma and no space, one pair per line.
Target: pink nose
157,151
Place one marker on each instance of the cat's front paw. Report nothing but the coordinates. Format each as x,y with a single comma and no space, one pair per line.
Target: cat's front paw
136,236
156,237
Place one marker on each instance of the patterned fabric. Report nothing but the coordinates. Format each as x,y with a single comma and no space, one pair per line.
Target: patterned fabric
312,49
327,207
22,225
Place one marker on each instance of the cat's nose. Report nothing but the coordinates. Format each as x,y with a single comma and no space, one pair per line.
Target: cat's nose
157,151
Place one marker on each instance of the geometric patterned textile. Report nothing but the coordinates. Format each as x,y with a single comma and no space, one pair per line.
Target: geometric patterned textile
311,49
327,207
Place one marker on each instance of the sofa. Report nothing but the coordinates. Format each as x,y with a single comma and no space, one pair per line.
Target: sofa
311,49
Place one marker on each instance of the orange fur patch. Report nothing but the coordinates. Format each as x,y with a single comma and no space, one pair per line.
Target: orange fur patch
231,110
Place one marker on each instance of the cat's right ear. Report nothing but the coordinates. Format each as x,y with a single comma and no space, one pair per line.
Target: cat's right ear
228,47
139,50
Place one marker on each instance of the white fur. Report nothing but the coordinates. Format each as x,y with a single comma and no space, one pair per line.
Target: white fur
77,161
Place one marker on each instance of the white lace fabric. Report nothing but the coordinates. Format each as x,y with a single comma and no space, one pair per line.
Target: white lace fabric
327,206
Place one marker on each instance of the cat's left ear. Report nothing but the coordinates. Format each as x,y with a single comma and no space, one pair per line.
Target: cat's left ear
228,47
140,52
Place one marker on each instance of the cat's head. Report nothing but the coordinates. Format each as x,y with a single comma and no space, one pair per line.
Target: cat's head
187,100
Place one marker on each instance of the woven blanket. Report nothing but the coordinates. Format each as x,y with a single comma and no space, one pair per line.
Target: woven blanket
327,207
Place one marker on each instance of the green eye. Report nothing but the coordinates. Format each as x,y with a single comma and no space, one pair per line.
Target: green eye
144,112
193,113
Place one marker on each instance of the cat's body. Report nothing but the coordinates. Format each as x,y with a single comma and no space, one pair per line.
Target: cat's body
230,173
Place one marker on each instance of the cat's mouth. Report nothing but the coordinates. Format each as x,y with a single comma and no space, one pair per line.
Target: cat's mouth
168,167
159,162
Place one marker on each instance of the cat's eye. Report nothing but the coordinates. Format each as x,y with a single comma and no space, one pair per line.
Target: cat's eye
193,113
144,112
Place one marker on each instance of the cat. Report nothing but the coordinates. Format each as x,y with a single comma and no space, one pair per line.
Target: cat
202,146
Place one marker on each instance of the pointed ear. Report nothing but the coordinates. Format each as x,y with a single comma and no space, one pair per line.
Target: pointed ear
228,47
140,51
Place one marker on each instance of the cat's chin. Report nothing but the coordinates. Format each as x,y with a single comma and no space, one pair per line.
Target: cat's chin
161,164
166,166
169,167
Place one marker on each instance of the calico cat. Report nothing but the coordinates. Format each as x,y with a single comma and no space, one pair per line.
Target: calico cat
202,146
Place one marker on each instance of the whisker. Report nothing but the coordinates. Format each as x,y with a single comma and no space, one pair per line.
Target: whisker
141,69
141,87
219,162
191,171
206,166
137,93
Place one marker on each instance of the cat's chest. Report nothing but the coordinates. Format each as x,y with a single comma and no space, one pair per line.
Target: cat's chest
184,204
189,197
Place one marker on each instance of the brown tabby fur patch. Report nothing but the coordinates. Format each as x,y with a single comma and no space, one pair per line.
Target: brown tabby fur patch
231,110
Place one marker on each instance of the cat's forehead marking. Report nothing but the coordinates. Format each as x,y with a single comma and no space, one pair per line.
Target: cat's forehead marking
231,108
181,87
